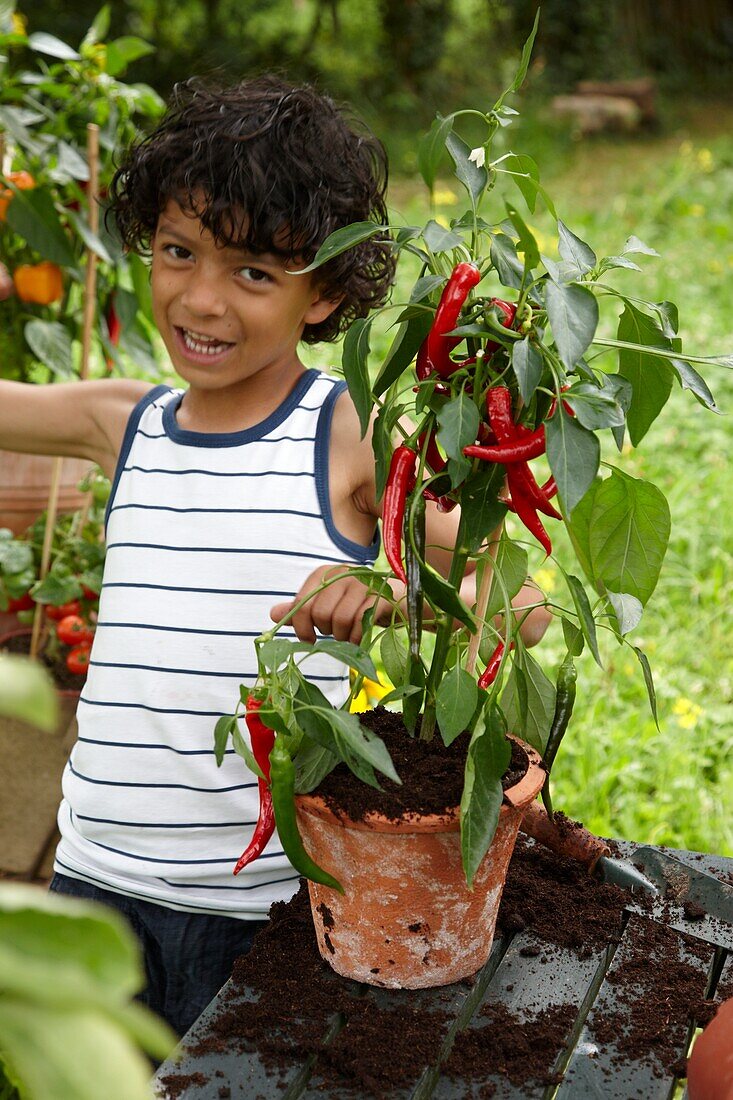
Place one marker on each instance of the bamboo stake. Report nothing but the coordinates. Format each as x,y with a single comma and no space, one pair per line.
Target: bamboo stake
90,285
53,500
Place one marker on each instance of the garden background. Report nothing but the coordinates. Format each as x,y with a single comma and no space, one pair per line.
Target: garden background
671,184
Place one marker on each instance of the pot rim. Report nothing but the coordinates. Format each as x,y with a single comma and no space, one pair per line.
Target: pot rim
64,693
517,797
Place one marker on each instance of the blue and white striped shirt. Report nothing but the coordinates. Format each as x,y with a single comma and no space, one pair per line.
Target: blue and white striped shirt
205,533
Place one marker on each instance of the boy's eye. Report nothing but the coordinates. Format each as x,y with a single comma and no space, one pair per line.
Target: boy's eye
177,251
253,275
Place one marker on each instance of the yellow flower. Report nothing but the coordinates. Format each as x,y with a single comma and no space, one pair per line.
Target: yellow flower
696,210
375,689
705,160
545,579
18,23
446,197
359,703
686,712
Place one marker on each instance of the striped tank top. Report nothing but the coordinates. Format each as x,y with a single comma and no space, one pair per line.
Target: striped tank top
205,533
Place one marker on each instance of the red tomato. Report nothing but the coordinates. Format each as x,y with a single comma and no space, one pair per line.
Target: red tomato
23,603
61,612
89,593
72,630
77,659
710,1068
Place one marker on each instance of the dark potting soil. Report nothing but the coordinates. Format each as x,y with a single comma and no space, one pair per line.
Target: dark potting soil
382,1049
432,774
63,679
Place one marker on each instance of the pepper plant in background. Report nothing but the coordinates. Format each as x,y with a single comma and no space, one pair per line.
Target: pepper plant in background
49,92
507,372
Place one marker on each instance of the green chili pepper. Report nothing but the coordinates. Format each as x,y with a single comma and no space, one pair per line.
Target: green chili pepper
282,783
564,703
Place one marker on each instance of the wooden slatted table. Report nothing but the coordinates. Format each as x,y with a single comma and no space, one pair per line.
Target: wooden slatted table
517,977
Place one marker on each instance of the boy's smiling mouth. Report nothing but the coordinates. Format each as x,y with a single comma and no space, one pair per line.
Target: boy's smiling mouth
199,346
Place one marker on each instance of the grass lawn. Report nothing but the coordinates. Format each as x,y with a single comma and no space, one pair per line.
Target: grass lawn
616,771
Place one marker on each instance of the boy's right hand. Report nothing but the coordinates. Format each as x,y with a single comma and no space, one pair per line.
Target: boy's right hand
337,610
7,287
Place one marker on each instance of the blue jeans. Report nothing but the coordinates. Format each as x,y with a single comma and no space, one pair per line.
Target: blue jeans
188,956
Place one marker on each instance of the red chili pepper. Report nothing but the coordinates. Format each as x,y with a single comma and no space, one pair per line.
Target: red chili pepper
435,460
522,484
400,482
490,673
509,310
262,739
464,277
522,449
549,489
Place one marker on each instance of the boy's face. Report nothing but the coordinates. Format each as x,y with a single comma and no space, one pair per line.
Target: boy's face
226,316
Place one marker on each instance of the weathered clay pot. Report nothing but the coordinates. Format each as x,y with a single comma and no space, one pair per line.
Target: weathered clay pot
710,1068
406,918
24,484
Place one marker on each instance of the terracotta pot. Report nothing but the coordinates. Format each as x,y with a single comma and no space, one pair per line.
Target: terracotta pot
710,1068
24,485
407,919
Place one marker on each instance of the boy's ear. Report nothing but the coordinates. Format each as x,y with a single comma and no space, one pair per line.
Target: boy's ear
320,309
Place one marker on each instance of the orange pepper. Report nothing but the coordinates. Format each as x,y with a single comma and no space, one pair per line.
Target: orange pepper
23,181
38,283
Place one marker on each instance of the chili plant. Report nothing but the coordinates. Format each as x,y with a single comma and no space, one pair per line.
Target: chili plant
500,364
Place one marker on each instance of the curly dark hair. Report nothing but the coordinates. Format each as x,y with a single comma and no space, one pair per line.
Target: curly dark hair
267,166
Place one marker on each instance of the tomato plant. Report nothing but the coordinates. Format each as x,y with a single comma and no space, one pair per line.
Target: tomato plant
72,629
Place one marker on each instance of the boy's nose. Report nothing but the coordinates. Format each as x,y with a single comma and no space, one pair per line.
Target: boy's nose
202,297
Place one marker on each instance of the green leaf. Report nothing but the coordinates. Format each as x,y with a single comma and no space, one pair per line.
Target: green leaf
621,531
346,652
242,749
575,251
71,164
443,596
27,692
573,315
526,176
608,263
341,240
312,764
528,366
473,178
342,733
91,240
440,239
528,700
458,425
33,216
99,28
431,149
521,73
596,407
692,381
455,702
633,244
488,757
403,350
51,343
354,360
574,455
573,636
526,244
393,651
481,510
51,46
122,51
651,377
140,273
511,568
649,681
223,728
585,614
509,267
627,610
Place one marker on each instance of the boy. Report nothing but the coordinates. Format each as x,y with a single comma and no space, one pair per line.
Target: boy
229,499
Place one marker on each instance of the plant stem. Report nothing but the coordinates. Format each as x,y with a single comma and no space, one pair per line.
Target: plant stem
443,634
